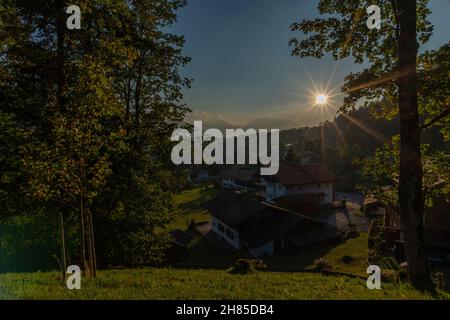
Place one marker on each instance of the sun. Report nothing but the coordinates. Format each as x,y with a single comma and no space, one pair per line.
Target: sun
321,99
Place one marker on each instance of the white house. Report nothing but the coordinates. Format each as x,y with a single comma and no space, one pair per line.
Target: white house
314,178
239,178
264,229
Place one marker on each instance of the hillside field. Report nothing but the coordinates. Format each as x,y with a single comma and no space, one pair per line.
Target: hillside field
175,284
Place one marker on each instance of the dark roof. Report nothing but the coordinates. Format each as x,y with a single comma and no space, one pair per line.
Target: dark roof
182,238
303,174
232,208
240,173
235,210
281,220
301,203
293,199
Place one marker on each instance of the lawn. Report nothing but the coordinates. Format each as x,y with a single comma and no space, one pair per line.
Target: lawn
355,248
201,284
203,252
188,206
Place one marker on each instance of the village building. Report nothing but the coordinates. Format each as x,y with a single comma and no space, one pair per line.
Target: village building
313,180
264,229
239,178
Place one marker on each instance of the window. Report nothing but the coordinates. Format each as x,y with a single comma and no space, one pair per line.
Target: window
221,227
230,234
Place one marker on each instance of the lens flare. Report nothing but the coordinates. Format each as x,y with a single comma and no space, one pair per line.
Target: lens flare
321,99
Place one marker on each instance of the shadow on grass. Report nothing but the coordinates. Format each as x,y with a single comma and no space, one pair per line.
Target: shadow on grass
203,252
303,260
349,256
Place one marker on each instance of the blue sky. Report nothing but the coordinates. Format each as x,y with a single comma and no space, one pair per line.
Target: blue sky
241,63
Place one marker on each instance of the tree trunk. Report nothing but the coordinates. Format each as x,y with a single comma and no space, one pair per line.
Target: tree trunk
60,53
411,199
89,243
63,247
94,258
83,236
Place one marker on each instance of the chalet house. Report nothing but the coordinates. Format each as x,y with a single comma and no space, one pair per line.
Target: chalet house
313,180
239,178
264,229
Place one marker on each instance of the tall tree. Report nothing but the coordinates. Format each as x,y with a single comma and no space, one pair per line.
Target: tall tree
410,195
391,78
97,107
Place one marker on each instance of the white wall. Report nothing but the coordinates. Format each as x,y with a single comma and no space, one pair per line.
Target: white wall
276,190
266,249
230,183
215,227
326,188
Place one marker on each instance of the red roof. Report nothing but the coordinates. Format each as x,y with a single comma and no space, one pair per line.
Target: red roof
312,173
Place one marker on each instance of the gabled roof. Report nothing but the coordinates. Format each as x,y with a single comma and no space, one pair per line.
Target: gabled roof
294,199
301,203
232,208
312,173
280,221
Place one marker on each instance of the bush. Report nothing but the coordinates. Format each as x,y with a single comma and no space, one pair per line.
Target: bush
438,280
245,266
321,264
390,276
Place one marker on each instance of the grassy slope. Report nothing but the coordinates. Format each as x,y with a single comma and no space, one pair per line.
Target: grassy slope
210,284
188,205
355,248
199,284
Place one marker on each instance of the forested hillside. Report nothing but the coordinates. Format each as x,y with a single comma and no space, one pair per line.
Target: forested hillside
354,135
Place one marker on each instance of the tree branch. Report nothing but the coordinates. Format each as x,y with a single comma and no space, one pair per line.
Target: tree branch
439,117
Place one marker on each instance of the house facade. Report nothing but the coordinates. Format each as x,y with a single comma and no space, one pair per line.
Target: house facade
301,179
239,178
225,232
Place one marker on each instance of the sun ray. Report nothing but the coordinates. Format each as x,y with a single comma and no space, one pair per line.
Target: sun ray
371,132
340,134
